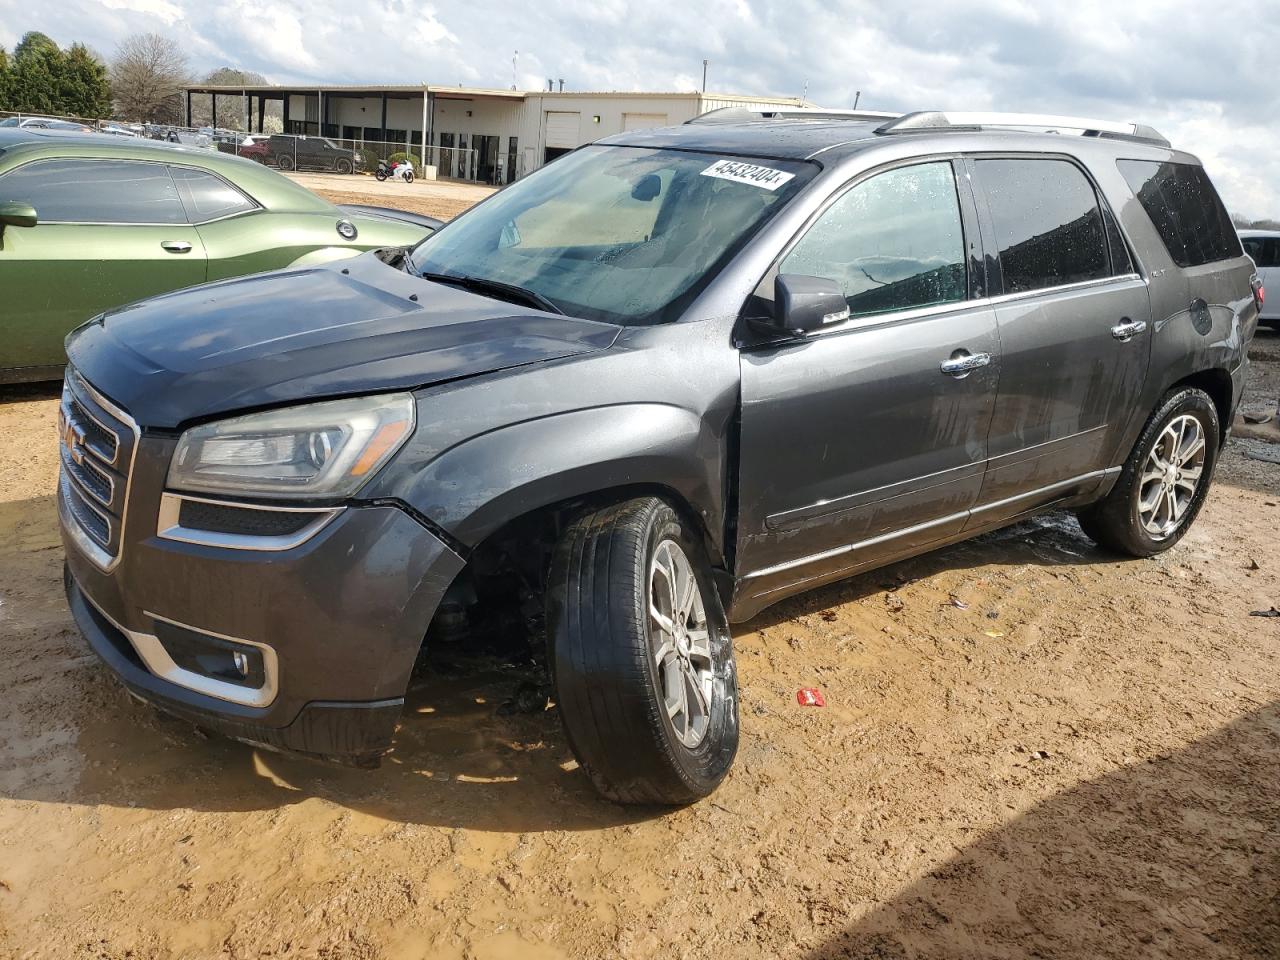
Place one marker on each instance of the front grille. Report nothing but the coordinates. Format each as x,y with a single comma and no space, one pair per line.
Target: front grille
97,442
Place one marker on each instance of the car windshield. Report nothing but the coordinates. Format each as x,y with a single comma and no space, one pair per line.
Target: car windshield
620,234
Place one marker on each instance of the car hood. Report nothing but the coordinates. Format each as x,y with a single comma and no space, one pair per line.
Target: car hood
354,326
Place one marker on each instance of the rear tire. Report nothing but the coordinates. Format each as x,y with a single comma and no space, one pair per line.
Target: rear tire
650,710
284,162
1163,484
380,176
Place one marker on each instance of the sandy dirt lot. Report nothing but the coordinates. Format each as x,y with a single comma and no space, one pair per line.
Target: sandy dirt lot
1079,758
443,198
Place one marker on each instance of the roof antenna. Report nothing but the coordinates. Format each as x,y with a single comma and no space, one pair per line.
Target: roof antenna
857,95
515,70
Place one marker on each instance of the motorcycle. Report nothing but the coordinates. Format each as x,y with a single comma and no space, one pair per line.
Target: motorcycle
400,170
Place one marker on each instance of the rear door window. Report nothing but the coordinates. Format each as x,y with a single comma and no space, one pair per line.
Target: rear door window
1185,209
893,242
208,197
1048,226
95,191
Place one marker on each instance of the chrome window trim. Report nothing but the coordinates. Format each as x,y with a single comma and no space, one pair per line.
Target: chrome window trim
169,527
101,558
916,528
158,662
875,319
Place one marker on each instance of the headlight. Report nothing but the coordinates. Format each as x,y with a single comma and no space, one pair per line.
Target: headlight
321,450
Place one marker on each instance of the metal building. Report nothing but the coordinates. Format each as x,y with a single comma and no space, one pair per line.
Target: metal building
467,133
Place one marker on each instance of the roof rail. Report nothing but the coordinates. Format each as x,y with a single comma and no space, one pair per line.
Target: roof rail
937,121
745,114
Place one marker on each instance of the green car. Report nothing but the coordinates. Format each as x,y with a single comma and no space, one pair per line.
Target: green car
88,223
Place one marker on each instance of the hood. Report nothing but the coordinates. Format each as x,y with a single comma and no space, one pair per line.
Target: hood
297,335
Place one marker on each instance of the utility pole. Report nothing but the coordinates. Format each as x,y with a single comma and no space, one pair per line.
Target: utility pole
857,95
704,75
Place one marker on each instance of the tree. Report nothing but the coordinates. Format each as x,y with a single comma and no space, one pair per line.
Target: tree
230,107
41,78
147,76
1241,222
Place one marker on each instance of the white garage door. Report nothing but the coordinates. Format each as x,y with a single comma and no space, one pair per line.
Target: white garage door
562,129
643,121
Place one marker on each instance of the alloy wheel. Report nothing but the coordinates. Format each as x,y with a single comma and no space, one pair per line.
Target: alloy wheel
1171,476
681,643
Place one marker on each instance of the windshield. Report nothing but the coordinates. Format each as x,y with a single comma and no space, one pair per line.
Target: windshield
620,234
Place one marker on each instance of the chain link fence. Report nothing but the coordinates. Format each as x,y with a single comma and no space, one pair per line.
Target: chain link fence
450,157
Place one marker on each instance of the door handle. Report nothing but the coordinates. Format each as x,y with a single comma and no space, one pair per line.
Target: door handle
176,246
1127,329
962,363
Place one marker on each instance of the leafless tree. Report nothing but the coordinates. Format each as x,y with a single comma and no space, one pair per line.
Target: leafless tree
147,75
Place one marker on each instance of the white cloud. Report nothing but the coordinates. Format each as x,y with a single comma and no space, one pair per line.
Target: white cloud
1200,72
164,11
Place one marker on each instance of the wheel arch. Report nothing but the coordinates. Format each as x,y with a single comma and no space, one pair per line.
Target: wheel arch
588,456
1217,383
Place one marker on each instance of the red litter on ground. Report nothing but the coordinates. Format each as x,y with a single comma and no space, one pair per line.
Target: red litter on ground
810,697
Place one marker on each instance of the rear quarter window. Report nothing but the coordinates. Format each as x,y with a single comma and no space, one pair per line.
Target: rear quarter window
1185,210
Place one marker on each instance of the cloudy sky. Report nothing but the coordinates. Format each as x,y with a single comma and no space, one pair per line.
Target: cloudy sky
1201,71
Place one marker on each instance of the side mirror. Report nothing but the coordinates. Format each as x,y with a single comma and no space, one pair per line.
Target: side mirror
804,304
16,214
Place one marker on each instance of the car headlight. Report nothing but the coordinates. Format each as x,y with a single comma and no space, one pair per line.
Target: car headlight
321,450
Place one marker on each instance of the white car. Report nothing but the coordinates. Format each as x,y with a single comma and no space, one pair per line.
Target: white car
1264,247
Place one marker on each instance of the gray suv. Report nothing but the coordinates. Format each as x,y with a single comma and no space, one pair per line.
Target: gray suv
639,395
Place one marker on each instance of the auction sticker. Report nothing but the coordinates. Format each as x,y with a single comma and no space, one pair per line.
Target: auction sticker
766,178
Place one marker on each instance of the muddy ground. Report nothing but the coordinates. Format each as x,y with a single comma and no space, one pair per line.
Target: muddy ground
1080,762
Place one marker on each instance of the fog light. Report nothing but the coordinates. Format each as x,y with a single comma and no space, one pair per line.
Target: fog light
219,658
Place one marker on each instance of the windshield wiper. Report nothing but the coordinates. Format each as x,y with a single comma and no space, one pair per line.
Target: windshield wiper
496,288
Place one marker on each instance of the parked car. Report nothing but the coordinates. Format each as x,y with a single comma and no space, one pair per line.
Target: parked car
647,390
254,147
1263,246
310,153
92,222
46,123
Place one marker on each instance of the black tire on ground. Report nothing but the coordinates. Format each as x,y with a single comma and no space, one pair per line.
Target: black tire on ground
1115,521
380,176
343,165
408,177
603,648
284,162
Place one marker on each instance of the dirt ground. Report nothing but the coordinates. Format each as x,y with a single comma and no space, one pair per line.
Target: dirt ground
435,198
1030,748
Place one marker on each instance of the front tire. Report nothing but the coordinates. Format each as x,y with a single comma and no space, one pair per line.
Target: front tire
641,655
1165,481
343,166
